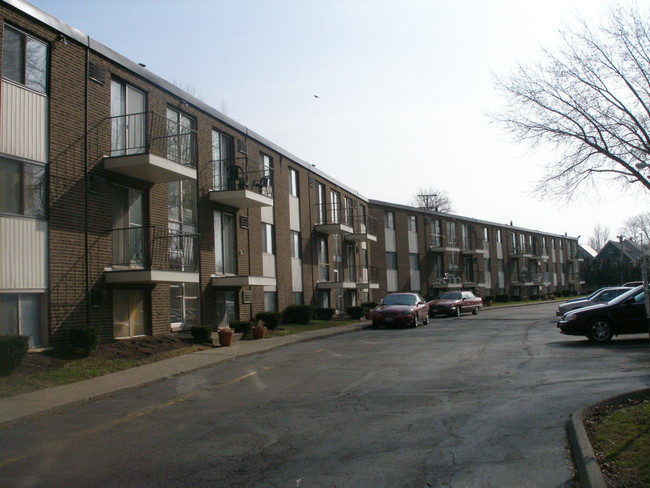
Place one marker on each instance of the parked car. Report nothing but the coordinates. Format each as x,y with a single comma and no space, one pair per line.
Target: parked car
402,309
633,283
625,314
455,303
601,296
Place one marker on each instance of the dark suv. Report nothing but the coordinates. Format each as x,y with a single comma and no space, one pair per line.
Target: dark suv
625,314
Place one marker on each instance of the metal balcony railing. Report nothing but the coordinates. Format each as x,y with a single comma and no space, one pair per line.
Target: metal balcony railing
242,174
448,279
148,132
155,248
364,224
333,213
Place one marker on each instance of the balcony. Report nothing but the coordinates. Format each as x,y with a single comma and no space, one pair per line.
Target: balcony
449,280
364,229
522,251
474,246
331,220
577,278
440,244
241,183
351,278
238,281
151,148
148,255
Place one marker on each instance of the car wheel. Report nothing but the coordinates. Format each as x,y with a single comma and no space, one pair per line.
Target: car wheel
600,330
475,311
426,319
457,312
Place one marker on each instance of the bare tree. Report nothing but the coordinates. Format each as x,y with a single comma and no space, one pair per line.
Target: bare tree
432,199
599,238
591,100
637,228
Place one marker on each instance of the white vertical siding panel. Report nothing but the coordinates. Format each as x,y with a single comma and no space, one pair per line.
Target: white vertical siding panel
391,280
413,242
294,213
24,123
296,275
23,254
391,243
268,265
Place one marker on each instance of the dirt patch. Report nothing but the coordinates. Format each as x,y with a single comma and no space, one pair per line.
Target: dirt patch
136,348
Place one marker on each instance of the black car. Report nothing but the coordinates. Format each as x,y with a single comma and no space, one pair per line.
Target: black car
625,314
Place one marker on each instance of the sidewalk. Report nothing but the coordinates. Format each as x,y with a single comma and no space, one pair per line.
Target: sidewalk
21,407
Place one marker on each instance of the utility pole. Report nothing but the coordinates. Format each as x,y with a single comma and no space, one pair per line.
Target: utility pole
620,265
644,276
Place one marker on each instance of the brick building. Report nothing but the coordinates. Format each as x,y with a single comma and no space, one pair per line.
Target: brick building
131,206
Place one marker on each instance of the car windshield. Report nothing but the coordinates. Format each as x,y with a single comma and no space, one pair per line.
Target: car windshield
399,300
450,296
630,293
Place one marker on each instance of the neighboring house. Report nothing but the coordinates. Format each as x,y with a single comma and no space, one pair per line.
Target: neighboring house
429,252
617,262
131,206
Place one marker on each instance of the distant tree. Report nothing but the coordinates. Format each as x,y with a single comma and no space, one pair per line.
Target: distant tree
637,228
591,100
599,238
432,199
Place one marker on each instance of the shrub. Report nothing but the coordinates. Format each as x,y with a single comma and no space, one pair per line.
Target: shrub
515,298
324,313
298,314
369,305
13,349
241,326
201,334
534,297
488,299
271,319
356,312
502,298
566,293
83,339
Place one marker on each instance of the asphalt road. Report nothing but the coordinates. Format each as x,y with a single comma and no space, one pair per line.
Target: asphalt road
476,401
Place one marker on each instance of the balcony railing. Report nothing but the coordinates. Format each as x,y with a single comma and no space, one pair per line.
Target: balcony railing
527,277
448,279
242,174
148,132
154,248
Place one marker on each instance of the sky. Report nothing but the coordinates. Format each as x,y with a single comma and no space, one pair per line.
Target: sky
387,97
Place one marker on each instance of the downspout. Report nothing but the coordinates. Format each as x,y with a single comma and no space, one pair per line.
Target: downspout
86,185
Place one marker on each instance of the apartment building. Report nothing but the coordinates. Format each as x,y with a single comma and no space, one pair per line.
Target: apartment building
131,206
430,252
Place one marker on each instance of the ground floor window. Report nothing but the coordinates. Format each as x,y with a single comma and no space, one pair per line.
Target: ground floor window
128,313
270,301
298,298
322,299
22,314
184,302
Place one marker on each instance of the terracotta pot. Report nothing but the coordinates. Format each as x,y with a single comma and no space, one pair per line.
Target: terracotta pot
258,332
225,337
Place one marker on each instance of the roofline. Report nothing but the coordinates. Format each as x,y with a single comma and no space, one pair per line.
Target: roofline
469,219
84,39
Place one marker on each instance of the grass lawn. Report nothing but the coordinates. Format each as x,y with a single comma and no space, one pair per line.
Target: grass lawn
621,440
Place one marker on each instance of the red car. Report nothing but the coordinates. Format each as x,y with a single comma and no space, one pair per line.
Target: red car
401,308
455,303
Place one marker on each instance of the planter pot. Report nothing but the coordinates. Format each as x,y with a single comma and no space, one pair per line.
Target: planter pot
225,337
258,332
368,315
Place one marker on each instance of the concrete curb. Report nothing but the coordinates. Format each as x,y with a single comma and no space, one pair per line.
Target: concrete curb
19,408
585,459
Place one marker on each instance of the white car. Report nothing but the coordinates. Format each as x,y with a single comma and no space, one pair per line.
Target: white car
603,295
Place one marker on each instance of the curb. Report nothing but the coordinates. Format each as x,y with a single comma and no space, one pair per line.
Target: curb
585,459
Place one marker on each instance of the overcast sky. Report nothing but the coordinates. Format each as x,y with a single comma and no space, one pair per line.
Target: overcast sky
403,89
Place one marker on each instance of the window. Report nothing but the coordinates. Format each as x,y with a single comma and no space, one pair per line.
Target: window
436,233
268,241
298,298
225,252
293,183
412,223
22,188
451,234
389,220
270,301
128,313
181,138
349,211
184,300
335,200
322,204
323,259
267,174
224,173
22,315
391,260
181,208
499,236
24,59
295,245
128,227
127,119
